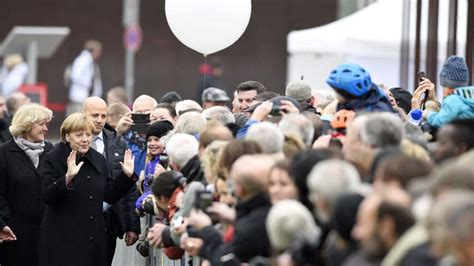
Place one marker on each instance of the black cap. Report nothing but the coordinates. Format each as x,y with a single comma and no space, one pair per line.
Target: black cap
159,129
403,98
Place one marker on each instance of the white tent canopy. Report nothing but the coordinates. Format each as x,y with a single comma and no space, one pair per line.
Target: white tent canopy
371,37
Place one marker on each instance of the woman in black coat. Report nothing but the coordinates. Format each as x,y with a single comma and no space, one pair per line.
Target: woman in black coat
21,207
76,182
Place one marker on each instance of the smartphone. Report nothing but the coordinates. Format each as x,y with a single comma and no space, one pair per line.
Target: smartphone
421,75
275,110
141,122
203,200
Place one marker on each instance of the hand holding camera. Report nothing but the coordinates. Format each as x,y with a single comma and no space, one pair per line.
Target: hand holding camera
222,212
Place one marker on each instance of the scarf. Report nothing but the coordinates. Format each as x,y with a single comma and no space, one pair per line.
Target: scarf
32,150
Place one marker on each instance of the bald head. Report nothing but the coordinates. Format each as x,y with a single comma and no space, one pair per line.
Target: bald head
144,104
249,174
96,109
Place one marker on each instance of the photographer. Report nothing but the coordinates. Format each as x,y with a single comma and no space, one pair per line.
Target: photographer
167,190
133,132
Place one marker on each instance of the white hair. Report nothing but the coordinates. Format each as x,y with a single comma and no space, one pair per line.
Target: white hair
299,124
191,123
288,221
331,178
186,105
221,114
323,97
181,148
144,97
268,136
381,130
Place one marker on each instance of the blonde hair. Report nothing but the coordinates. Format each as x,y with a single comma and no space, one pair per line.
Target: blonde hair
26,116
75,122
12,60
209,160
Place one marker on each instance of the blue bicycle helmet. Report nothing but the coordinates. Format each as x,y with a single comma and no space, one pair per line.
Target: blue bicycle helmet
350,78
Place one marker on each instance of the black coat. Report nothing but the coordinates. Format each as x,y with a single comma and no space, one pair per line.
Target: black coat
73,227
124,218
5,122
193,171
250,236
21,207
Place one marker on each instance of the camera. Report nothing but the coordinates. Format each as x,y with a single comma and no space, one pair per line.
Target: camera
275,110
164,160
141,122
203,200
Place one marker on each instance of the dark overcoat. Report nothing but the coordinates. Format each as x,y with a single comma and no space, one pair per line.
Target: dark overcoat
123,217
73,227
21,207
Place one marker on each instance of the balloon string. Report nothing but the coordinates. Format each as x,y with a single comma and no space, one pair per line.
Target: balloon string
205,74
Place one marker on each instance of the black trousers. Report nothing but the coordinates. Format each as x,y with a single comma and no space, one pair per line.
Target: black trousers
110,237
110,243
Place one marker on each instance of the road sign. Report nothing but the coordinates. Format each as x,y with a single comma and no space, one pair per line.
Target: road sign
132,38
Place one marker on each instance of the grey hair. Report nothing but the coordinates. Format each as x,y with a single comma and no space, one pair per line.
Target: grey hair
287,221
325,97
381,130
186,105
221,114
268,136
451,217
331,178
299,124
415,135
191,123
181,148
460,219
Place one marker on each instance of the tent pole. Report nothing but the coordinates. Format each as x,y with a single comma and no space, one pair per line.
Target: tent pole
470,39
452,28
417,42
405,45
432,48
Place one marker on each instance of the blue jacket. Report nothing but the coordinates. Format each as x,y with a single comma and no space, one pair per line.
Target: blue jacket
372,101
243,130
459,105
137,145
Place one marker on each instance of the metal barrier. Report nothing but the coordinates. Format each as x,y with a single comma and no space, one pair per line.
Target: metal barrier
156,256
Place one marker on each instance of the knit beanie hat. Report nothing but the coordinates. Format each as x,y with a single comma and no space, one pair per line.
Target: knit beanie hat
298,90
159,129
454,73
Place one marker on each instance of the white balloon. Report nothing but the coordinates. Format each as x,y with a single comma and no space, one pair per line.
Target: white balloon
208,26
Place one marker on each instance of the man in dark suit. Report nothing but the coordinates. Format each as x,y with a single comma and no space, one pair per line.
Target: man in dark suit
120,218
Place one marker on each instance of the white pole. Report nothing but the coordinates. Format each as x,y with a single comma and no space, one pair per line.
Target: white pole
32,60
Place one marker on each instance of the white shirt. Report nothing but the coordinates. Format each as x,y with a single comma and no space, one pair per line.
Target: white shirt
83,78
98,143
11,80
